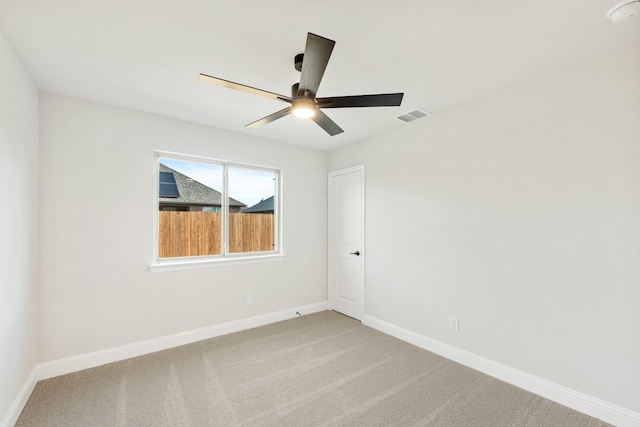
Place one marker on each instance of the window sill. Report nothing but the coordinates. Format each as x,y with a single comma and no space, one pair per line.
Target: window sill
191,263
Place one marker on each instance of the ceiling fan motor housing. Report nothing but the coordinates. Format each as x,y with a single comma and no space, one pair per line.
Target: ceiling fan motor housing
297,93
304,103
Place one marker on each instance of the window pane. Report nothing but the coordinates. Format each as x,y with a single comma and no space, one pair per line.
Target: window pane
251,209
189,204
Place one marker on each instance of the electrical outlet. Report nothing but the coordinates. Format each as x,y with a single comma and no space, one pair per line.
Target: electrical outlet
249,299
454,323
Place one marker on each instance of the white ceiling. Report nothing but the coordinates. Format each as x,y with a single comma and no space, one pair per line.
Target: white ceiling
147,54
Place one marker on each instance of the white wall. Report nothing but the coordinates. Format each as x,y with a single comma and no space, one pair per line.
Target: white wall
520,214
18,225
97,233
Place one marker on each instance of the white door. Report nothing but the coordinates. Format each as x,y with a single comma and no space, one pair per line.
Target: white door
346,241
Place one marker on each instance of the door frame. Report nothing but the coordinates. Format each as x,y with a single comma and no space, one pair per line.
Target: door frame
332,233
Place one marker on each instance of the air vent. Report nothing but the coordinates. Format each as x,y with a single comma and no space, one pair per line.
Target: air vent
414,115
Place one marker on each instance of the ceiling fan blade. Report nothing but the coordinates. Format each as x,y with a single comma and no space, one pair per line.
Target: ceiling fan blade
270,118
379,100
326,123
316,57
243,88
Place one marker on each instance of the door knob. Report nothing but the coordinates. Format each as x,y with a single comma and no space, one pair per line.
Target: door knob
356,253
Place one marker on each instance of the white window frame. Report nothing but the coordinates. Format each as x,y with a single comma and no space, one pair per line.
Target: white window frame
226,258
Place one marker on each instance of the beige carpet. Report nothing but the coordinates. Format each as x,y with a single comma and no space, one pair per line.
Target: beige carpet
324,369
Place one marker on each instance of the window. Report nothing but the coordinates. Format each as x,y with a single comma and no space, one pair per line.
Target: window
168,187
212,212
211,209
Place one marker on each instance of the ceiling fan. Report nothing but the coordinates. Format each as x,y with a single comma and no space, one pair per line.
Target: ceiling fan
304,103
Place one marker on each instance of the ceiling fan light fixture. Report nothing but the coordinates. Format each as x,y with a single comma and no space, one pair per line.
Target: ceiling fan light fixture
304,108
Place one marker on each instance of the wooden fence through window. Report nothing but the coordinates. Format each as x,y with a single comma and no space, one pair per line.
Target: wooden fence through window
200,233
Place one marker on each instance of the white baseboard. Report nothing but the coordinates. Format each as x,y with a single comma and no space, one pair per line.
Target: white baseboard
589,405
68,365
11,417
581,402
97,358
